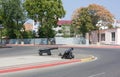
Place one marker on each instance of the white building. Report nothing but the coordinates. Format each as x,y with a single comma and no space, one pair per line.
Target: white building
107,36
117,23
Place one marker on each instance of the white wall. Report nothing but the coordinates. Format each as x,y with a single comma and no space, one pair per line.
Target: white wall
118,36
62,40
108,36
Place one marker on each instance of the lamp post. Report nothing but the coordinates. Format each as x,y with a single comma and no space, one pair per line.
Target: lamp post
99,24
22,40
1,27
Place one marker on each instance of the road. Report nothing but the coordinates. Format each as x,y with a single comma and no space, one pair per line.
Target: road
107,64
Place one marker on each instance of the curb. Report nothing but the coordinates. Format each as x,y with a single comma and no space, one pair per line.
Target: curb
88,59
15,69
72,45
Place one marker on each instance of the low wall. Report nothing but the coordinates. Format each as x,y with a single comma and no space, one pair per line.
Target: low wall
73,40
56,40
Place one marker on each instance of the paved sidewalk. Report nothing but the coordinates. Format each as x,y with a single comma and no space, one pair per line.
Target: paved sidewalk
29,59
20,63
33,59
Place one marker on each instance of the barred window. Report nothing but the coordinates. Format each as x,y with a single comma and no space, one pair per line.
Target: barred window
113,36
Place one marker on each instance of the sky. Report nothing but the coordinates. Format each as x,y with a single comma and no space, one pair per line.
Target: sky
71,5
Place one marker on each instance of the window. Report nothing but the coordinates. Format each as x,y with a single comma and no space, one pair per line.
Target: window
103,37
113,36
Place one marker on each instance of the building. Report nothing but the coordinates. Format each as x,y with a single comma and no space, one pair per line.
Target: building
64,22
63,27
117,23
106,36
30,25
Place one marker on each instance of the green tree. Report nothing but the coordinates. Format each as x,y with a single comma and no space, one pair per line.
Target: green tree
12,17
46,32
47,12
83,22
27,34
85,19
0,19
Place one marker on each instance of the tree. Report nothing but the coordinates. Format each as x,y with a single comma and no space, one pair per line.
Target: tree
85,18
0,19
99,13
12,17
83,22
46,32
47,12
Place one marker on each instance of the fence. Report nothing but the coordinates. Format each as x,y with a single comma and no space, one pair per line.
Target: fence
56,40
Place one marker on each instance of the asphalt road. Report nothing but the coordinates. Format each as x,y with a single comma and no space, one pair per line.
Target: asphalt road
107,64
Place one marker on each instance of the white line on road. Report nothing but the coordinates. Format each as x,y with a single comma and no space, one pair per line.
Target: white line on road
99,74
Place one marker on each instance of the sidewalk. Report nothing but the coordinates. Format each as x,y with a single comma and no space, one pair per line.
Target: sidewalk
20,60
71,45
20,63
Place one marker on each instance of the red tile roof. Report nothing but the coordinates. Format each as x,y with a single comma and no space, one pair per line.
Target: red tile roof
63,22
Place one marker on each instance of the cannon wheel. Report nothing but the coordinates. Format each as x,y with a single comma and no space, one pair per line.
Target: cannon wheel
40,53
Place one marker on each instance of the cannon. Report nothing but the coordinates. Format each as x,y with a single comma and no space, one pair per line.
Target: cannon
47,50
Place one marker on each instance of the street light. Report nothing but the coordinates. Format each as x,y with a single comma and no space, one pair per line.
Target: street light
99,24
22,40
1,27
